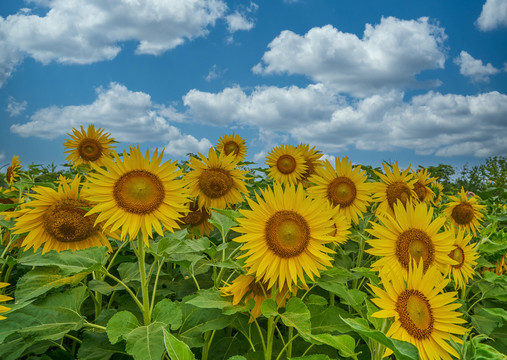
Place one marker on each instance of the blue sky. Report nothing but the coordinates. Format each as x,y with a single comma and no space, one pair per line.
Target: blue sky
419,82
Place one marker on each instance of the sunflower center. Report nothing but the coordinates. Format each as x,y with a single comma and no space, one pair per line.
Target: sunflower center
256,288
420,190
215,183
66,222
463,213
139,192
89,149
286,164
415,313
458,255
287,233
231,147
416,244
341,191
397,191
196,216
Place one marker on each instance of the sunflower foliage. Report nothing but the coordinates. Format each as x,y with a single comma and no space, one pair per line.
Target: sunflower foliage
135,256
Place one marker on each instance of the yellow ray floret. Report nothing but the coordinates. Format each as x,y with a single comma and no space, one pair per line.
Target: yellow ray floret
464,212
90,146
232,144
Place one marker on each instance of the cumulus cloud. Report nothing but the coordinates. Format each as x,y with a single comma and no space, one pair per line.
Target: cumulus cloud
237,21
389,55
474,68
15,108
184,144
493,15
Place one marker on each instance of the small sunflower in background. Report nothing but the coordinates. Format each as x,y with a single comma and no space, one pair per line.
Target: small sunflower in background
12,174
464,212
232,144
465,255
421,188
285,235
423,315
215,180
4,298
90,146
438,190
197,217
137,194
312,161
286,164
343,186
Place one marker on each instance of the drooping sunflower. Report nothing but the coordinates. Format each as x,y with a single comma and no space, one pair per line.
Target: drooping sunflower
136,193
197,217
285,235
411,233
465,255
312,161
12,175
464,212
90,146
421,188
342,186
4,298
56,220
438,190
286,164
215,180
232,144
423,315
395,186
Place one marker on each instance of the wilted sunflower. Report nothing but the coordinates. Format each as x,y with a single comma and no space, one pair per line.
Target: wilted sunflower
56,220
137,194
286,164
395,186
90,146
312,161
438,190
2,299
422,314
464,212
198,217
215,180
232,144
11,176
465,255
421,188
343,186
284,235
411,234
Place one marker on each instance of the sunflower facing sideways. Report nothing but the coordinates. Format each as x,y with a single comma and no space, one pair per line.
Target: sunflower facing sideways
90,146
312,161
465,255
232,144
285,235
12,175
421,188
286,164
464,212
197,218
137,194
2,299
423,315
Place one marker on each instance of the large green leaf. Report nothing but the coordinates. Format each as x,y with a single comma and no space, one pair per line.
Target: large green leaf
96,346
169,313
352,297
120,325
345,344
297,315
176,349
103,287
146,342
222,222
209,299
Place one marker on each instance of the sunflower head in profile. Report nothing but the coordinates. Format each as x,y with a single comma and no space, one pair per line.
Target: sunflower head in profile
137,194
4,298
90,146
286,164
423,315
285,235
411,234
421,186
12,174
343,186
232,144
312,161
56,220
197,218
215,180
465,255
464,212
438,190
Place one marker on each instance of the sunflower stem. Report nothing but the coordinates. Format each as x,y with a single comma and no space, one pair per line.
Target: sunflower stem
208,338
129,290
144,282
270,337
160,264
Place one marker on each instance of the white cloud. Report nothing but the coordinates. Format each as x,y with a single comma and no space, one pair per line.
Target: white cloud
389,55
493,15
15,108
237,21
473,68
2,155
214,73
185,144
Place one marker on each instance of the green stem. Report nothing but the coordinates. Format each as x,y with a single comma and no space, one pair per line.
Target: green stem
218,279
73,338
134,297
208,338
288,347
111,262
95,326
160,264
260,335
270,337
144,282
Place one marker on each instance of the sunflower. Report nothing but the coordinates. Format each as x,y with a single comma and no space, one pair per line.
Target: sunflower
421,188
343,186
56,220
232,143
197,218
464,212
395,186
11,176
90,146
215,180
137,194
465,255
411,234
2,299
438,190
285,234
312,161
422,314
286,164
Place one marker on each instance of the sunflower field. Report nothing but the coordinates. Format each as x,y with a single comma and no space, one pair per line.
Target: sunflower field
127,255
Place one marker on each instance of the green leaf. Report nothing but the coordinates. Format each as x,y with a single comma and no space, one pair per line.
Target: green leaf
168,313
326,320
222,222
4,207
176,349
269,308
352,297
120,325
485,324
297,316
96,346
345,344
312,357
209,299
146,342
129,272
497,313
103,287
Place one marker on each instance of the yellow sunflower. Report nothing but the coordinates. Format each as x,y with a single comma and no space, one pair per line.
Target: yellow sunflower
438,190
2,299
411,234
343,186
12,175
395,186
464,212
423,315
137,194
284,235
286,164
90,146
198,218
465,255
312,161
215,180
421,188
56,220
232,143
